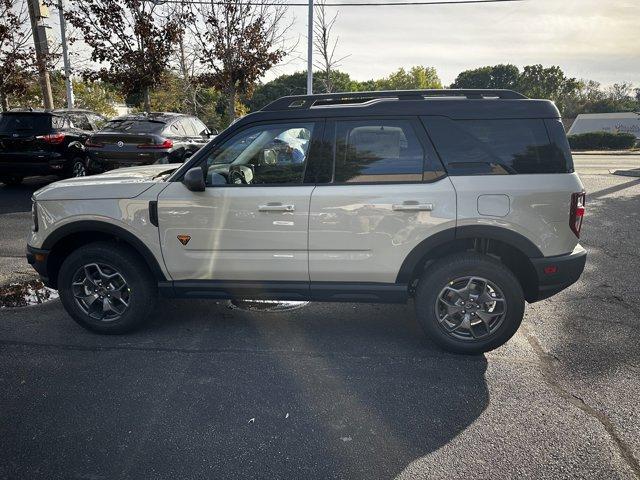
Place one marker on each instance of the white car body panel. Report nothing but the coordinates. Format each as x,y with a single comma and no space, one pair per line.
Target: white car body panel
538,206
231,239
356,235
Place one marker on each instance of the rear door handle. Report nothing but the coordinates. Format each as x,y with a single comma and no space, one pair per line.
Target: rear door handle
276,207
412,206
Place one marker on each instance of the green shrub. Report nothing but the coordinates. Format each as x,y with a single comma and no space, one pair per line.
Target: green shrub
602,141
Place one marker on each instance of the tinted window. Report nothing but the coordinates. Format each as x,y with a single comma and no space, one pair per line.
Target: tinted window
97,120
80,121
24,122
267,154
176,129
134,126
377,151
473,147
199,127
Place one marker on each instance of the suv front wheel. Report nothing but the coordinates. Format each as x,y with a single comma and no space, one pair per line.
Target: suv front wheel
107,288
469,303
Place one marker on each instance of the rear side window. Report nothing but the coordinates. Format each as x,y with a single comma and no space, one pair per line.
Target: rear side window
24,122
377,151
496,147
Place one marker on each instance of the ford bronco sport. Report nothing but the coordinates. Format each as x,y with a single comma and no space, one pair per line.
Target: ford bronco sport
465,201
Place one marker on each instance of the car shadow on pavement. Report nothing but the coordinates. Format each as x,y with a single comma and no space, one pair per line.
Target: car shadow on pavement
334,391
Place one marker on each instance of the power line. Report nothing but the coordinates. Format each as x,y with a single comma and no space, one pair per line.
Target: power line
346,4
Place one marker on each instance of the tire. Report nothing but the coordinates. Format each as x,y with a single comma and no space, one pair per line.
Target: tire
78,168
12,180
102,261
493,309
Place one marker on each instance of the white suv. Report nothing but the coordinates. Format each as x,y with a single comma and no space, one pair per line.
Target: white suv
464,200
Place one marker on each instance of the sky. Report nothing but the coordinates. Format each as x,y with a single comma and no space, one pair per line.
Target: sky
590,39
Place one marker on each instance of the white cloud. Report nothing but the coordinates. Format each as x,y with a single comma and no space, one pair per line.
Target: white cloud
588,38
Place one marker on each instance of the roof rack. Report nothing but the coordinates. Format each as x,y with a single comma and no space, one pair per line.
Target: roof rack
327,99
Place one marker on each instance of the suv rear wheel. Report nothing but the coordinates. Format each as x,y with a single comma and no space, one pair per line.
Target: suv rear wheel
107,288
469,303
78,168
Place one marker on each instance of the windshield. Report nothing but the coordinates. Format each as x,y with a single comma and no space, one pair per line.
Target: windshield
133,125
24,122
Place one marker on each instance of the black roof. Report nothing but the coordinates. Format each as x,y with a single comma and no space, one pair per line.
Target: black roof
72,110
455,104
151,116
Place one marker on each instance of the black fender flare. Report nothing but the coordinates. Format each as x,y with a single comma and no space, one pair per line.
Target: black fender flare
88,226
504,235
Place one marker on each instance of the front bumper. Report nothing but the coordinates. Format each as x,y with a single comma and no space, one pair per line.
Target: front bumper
557,273
38,259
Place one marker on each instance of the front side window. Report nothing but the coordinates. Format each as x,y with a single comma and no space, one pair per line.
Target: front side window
496,147
377,151
265,154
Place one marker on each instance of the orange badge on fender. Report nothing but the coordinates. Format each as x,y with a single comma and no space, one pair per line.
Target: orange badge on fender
184,239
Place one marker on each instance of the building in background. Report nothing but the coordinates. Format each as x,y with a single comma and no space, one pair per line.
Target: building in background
628,122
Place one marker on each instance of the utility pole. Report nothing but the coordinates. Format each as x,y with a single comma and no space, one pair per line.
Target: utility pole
37,14
310,50
65,56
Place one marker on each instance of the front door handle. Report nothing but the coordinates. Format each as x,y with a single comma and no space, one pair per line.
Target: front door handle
412,206
276,207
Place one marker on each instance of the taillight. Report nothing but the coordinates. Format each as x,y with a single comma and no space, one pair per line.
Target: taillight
576,214
93,143
53,138
167,143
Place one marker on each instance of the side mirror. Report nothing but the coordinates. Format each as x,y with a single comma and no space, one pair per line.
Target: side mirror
194,179
212,131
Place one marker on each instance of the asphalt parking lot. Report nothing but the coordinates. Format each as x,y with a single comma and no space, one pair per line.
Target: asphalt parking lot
332,390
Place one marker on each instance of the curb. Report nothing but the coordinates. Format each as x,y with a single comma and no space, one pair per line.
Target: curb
626,173
607,152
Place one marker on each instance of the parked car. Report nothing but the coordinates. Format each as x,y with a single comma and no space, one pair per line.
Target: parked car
465,201
38,142
144,139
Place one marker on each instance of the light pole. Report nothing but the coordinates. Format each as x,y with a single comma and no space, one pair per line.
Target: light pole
37,14
310,50
65,56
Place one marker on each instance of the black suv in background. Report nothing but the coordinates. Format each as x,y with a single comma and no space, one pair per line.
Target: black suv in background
146,138
44,143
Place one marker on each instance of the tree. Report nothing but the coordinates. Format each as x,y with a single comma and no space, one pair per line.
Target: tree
17,57
296,84
497,76
97,96
238,43
131,39
536,81
325,46
172,96
418,77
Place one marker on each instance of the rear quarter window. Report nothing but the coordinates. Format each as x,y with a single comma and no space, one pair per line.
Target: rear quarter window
498,147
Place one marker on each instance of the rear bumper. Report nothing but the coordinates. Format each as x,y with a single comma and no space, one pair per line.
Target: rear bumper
38,258
557,273
31,163
99,162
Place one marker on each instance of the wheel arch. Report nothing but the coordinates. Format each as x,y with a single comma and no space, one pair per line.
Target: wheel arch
67,238
511,248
